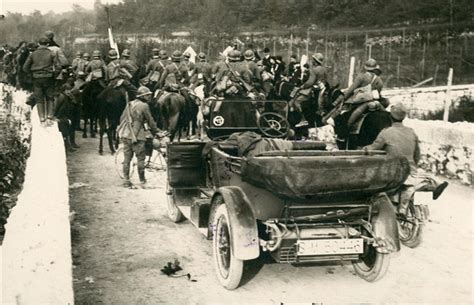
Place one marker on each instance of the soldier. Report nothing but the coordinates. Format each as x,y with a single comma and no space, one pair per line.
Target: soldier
234,78
317,77
96,69
133,131
83,63
118,73
204,68
175,75
131,64
402,141
190,67
75,62
41,64
367,87
252,66
154,70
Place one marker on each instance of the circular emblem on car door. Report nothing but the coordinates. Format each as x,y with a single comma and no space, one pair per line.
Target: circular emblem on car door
218,121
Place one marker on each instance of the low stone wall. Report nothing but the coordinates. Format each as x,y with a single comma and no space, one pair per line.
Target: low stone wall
421,101
36,252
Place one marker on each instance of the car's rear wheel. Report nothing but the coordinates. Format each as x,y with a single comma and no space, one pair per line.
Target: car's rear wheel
229,269
410,229
372,265
173,211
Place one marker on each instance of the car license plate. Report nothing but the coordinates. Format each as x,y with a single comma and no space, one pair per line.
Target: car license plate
330,246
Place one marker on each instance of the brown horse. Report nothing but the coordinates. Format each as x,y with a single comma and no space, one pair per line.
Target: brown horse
172,108
111,103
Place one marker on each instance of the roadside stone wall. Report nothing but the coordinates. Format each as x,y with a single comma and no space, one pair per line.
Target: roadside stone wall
35,257
421,101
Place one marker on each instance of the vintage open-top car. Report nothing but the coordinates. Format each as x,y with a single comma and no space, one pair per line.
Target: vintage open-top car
300,205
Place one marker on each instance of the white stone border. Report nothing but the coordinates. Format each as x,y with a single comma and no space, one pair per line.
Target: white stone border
36,262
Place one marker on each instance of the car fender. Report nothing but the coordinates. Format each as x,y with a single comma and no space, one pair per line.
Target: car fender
243,225
385,224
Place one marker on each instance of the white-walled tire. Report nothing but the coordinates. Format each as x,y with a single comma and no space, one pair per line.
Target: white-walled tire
229,269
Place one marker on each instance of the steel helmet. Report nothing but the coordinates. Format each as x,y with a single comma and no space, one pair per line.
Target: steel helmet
318,57
49,34
126,53
78,53
176,56
187,55
202,56
234,55
155,51
43,41
113,54
249,55
96,54
371,65
142,91
163,54
86,55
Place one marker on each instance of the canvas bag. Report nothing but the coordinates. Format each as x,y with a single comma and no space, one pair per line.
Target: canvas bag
365,94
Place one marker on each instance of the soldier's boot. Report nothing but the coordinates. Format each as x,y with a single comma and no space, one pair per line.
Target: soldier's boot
73,138
68,146
41,112
126,175
141,175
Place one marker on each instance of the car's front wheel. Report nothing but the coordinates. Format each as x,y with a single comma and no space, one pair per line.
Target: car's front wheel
229,269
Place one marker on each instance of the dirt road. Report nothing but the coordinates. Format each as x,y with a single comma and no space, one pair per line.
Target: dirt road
122,238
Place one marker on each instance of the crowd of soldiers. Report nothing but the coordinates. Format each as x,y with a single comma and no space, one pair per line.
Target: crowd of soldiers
44,69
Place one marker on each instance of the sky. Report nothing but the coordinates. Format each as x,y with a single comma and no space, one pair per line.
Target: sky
44,6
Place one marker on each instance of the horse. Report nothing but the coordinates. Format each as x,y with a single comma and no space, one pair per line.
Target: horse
111,103
90,106
172,107
364,132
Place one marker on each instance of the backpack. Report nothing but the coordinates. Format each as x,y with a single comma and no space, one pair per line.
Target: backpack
365,93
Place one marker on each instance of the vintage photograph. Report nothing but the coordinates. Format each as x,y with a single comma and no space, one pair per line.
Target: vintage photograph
236,152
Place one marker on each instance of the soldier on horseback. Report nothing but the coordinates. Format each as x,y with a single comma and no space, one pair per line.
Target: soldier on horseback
365,92
175,75
154,70
318,77
119,73
96,68
204,68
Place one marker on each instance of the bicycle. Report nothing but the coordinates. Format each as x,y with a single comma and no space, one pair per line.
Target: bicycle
156,156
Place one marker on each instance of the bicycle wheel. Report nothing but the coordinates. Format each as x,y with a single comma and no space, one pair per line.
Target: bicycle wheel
119,163
157,161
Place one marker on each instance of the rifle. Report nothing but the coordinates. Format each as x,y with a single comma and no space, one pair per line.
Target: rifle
247,86
338,103
129,119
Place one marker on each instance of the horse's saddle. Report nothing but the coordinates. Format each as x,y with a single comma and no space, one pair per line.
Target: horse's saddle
355,128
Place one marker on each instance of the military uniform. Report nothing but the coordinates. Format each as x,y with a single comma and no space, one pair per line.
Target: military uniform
96,70
140,114
174,73
118,70
400,140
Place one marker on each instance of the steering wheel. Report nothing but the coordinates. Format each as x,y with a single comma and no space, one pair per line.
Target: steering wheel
273,125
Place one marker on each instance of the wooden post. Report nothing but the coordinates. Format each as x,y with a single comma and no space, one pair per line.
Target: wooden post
370,51
447,41
398,72
366,43
307,47
389,53
351,72
435,74
403,38
298,53
423,62
447,101
409,48
274,47
326,47
428,40
346,53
